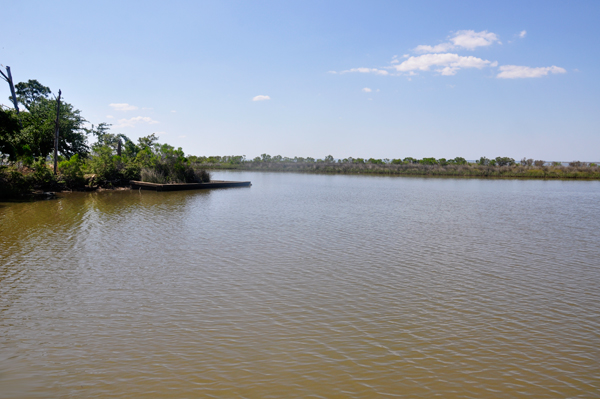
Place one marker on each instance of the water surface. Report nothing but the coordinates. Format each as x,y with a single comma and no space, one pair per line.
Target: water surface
305,286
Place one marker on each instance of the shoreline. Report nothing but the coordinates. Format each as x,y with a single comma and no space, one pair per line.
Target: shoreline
451,171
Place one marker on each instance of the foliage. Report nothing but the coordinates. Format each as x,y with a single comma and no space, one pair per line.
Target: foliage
31,91
428,161
72,171
13,184
503,161
483,161
42,176
10,143
39,125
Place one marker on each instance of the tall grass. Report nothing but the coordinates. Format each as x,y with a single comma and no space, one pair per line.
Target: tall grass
162,174
470,170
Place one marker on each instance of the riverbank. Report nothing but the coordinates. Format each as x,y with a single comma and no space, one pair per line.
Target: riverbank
467,170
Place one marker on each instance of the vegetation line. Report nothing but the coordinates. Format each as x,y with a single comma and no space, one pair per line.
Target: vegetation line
457,167
27,142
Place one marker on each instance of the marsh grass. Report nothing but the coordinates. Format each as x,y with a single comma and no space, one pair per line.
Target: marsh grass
470,170
165,176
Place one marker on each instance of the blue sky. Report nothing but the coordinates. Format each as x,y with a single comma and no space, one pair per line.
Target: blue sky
383,79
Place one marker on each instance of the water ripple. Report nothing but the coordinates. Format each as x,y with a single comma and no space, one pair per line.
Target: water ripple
305,286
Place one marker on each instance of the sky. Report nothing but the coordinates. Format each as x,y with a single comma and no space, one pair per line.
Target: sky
381,79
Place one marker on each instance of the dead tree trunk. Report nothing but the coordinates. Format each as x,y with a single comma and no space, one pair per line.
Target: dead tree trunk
56,132
8,78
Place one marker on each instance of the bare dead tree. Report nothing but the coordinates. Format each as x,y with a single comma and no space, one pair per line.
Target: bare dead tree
56,132
8,78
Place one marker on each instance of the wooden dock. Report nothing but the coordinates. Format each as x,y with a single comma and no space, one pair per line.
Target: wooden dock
187,186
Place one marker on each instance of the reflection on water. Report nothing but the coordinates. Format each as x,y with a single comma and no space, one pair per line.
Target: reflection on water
304,285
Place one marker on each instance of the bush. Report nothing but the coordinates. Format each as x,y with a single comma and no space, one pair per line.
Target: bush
13,184
42,176
204,176
504,161
72,171
152,176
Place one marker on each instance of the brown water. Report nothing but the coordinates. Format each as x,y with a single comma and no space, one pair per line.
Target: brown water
305,286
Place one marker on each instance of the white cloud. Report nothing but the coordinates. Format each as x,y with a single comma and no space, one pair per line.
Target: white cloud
470,39
367,90
160,133
516,71
261,98
173,112
123,107
109,116
182,137
131,122
367,70
522,34
463,39
440,48
449,63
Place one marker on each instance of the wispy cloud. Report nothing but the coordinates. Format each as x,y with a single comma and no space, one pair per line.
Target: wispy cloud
463,39
367,90
132,122
522,34
122,107
439,48
367,70
517,71
261,98
109,116
448,63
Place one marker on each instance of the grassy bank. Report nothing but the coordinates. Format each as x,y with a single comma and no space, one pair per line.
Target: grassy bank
416,169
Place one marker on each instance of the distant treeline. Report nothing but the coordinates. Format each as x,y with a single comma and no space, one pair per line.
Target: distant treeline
484,161
484,167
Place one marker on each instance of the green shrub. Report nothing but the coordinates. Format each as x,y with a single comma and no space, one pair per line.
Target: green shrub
13,184
42,176
72,171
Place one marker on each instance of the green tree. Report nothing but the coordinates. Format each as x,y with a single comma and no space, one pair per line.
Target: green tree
30,92
503,161
428,161
148,141
39,122
10,145
39,129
